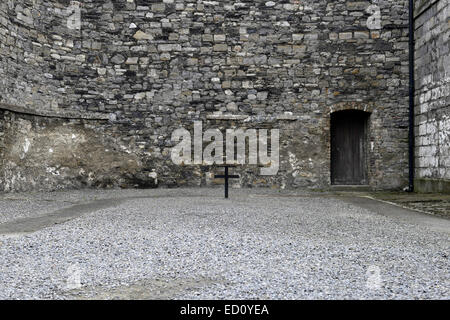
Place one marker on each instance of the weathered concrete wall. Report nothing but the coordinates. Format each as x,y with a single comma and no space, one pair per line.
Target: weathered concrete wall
153,66
432,73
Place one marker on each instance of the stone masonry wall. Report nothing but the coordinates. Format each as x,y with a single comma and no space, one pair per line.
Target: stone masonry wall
134,71
432,73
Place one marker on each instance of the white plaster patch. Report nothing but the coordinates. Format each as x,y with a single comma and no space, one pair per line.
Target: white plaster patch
26,146
53,171
154,175
295,164
125,149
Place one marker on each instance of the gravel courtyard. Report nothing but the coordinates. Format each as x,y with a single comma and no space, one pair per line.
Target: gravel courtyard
193,244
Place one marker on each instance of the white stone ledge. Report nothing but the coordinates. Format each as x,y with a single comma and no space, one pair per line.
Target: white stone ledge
246,118
230,117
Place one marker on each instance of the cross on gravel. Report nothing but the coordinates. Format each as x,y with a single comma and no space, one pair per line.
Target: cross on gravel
226,176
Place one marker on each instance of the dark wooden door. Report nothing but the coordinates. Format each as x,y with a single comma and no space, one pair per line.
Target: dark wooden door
348,148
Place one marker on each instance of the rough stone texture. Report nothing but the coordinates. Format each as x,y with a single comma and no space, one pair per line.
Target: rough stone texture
432,73
153,66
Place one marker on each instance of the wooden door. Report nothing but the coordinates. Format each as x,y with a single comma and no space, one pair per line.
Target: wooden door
348,148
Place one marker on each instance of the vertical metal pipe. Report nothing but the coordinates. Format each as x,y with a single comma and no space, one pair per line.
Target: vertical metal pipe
411,96
226,182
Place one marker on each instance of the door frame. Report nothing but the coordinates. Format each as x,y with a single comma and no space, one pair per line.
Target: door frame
366,116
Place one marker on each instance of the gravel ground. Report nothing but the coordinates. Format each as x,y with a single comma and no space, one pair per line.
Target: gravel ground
192,244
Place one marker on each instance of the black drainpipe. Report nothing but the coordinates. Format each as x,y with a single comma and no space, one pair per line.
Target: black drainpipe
411,96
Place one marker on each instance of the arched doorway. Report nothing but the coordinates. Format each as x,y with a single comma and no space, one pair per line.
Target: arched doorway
349,147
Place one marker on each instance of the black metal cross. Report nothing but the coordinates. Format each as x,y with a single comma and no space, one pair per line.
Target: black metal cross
226,176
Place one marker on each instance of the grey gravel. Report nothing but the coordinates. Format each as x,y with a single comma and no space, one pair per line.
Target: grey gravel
193,244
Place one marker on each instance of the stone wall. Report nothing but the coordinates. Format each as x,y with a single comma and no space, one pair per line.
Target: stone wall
432,73
135,71
50,154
